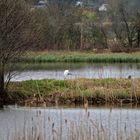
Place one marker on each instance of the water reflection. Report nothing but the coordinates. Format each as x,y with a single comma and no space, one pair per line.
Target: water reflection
79,70
42,121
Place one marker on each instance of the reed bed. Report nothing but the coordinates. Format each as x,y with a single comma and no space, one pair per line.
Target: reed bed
39,57
58,124
77,91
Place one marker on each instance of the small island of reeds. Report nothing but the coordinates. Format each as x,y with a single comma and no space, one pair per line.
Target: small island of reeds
77,91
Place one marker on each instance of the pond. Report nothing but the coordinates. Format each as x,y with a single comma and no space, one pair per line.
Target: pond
79,70
62,123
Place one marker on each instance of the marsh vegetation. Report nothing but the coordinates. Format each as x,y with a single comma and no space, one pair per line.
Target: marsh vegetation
77,91
70,123
89,56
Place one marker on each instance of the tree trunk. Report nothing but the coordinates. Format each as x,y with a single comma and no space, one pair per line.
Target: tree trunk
138,38
2,89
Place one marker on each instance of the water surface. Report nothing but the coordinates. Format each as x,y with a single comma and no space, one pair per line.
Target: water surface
43,121
79,70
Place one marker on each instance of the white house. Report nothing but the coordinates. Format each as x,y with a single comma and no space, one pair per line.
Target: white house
79,3
103,8
42,2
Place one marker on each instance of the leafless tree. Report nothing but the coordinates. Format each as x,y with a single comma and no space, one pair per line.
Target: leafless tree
126,27
15,36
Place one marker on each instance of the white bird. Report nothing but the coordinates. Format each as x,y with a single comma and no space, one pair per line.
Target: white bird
66,73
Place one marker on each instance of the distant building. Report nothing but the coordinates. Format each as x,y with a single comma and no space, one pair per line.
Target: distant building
79,3
41,4
103,8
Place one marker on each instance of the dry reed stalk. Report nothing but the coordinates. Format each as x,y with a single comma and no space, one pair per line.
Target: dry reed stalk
87,128
86,104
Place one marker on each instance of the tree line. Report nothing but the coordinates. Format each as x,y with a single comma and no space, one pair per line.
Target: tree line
62,25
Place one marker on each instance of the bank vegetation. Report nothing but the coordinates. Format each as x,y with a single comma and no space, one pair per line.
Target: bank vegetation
78,91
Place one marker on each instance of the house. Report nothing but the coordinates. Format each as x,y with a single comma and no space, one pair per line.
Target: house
103,8
79,3
41,4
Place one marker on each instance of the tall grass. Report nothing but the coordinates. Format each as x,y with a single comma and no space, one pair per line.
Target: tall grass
80,57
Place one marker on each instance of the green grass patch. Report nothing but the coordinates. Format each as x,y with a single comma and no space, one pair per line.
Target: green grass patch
39,57
106,89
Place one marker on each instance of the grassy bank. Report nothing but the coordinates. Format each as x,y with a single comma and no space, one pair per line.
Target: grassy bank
81,57
76,91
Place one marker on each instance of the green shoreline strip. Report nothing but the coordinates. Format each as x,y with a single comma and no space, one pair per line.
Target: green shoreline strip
40,57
